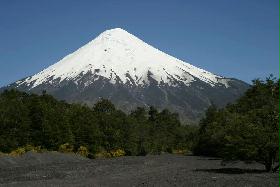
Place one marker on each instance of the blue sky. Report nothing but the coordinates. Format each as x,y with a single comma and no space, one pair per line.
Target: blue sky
233,38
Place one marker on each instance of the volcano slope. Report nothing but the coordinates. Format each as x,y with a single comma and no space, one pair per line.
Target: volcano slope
57,169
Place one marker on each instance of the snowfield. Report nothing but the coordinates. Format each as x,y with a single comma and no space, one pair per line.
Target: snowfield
116,54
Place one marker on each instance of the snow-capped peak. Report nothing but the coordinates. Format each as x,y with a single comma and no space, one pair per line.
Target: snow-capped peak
118,55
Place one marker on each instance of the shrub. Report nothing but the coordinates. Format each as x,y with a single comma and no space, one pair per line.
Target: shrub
110,154
66,148
19,151
36,149
117,153
83,151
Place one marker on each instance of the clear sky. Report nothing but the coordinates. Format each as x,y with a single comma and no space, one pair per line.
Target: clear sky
233,38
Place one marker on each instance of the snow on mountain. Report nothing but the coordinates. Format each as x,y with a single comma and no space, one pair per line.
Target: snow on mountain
130,73
118,55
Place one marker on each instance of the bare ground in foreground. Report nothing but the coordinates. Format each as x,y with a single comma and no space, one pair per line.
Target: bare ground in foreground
56,169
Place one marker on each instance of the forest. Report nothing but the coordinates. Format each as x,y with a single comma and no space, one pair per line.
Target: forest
246,130
41,120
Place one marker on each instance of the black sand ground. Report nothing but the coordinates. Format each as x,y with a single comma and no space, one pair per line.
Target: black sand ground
55,169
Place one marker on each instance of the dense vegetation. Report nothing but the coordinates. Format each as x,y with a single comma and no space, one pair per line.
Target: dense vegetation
28,119
247,130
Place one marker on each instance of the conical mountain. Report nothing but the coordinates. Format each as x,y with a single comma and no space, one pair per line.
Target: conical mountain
123,68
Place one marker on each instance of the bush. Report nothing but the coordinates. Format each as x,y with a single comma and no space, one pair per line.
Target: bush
66,148
110,154
18,152
33,148
83,151
117,153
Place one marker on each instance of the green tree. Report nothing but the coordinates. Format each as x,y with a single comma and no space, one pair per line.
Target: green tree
14,120
247,130
254,131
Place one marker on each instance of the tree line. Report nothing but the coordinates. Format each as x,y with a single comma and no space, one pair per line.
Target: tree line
41,120
246,130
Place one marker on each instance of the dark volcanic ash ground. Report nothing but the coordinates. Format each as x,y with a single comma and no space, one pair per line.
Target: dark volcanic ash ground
56,169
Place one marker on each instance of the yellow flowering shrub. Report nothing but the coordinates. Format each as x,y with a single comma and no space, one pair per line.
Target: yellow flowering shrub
110,154
83,151
19,151
117,153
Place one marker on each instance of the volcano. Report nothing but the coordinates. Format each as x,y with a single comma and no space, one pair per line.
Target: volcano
120,67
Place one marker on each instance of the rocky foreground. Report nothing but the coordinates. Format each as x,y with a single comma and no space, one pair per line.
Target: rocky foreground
57,169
